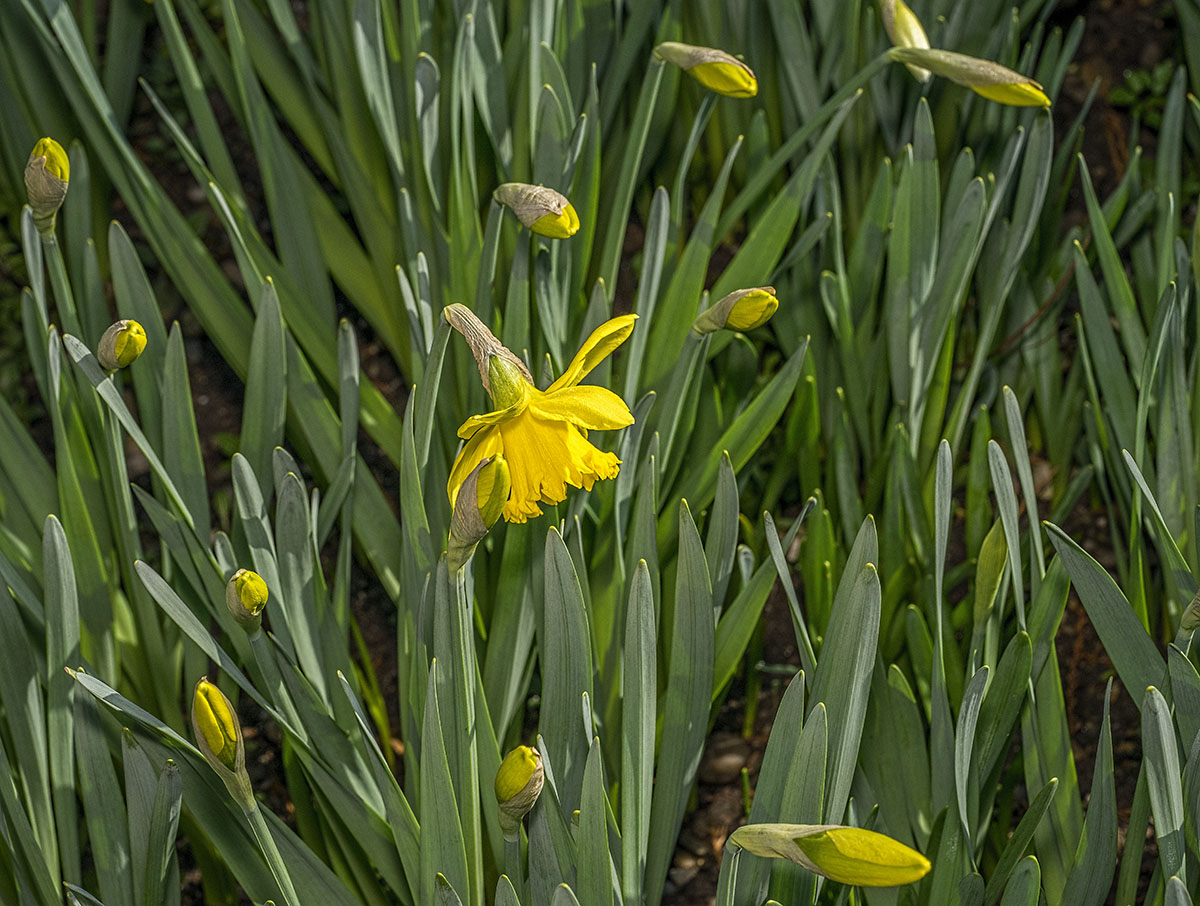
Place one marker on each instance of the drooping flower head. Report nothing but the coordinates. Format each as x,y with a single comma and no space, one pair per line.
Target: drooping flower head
121,344
742,309
715,69
848,855
245,597
542,434
545,211
991,80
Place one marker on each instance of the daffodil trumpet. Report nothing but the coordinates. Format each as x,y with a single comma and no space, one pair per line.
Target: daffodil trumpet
542,434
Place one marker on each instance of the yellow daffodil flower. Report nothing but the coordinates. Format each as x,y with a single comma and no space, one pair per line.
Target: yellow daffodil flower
848,855
542,434
121,344
715,69
219,738
991,80
543,210
47,173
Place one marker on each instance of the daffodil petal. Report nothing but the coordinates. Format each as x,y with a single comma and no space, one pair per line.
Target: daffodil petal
604,339
544,456
468,428
481,445
586,405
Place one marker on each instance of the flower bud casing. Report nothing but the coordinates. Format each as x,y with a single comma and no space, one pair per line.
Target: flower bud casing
219,738
715,69
743,309
121,344
47,173
518,785
486,348
477,506
991,80
848,855
543,210
245,597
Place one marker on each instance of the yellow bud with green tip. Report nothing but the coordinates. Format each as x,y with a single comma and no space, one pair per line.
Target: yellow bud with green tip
743,309
121,345
47,173
715,69
219,738
544,210
245,597
518,785
991,80
848,855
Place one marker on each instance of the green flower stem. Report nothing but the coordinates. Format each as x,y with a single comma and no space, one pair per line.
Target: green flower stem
467,774
271,852
514,866
63,297
275,687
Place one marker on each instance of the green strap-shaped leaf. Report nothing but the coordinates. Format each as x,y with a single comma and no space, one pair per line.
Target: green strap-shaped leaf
1024,887
442,850
1164,776
1014,849
1095,857
639,684
1133,653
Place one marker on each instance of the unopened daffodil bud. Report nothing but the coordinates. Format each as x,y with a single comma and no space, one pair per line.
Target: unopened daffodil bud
47,173
715,69
518,785
904,29
743,309
477,506
246,596
848,855
121,344
219,738
543,210
500,370
991,80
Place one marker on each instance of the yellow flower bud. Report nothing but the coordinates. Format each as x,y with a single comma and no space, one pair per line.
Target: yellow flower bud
477,506
47,173
848,855
743,309
904,29
245,597
121,344
543,210
991,80
518,785
715,69
219,738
